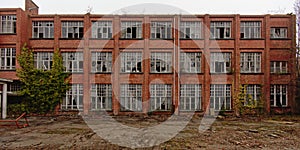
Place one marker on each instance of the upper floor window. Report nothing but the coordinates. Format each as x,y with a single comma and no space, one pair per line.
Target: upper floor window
131,97
190,62
161,30
43,29
220,62
190,29
72,29
161,62
101,97
102,29
131,29
278,95
279,67
250,29
190,97
277,32
220,29
220,96
43,60
8,58
131,62
250,62
8,24
101,62
73,61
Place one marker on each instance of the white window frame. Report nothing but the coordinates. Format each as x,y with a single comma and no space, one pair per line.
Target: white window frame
250,29
43,60
42,29
190,62
131,97
253,92
101,62
161,30
161,62
131,62
73,61
102,29
101,97
220,29
160,97
279,95
190,97
131,29
250,62
72,29
8,58
220,96
279,67
278,32
191,29
8,24
220,62
74,98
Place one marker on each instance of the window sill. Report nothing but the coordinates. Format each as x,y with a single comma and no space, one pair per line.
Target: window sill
41,39
7,69
161,39
251,73
252,39
101,38
199,73
191,38
8,33
161,73
280,73
131,72
131,39
221,73
131,111
101,72
71,38
280,38
221,38
74,72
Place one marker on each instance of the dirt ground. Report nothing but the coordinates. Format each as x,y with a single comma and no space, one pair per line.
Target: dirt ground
72,132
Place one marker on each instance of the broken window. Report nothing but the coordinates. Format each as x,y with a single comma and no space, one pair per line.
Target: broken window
102,29
190,62
220,62
8,58
190,29
161,62
74,98
101,62
277,32
73,61
279,67
72,29
131,97
250,62
43,29
101,97
43,60
8,24
278,96
131,62
220,29
160,97
250,29
161,30
220,96
190,97
131,29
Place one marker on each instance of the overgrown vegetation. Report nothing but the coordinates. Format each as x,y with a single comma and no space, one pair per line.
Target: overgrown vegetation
43,90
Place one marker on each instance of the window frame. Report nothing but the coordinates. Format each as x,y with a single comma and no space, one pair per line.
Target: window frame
40,29
256,63
221,97
104,60
274,35
101,93
195,29
127,26
274,68
102,29
131,97
8,58
220,60
254,30
161,30
283,95
190,97
131,62
72,29
159,94
253,90
77,61
216,32
165,61
186,62
41,62
8,24
74,98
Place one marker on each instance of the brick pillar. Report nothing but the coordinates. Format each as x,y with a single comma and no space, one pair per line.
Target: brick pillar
115,69
86,64
146,66
176,68
266,63
206,63
236,58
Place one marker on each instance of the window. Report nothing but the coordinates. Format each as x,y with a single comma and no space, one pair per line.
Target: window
220,30
220,62
161,62
250,29
43,60
253,94
220,97
190,29
190,97
278,33
131,62
74,98
131,29
161,30
102,29
43,29
72,29
14,87
101,97
131,97
8,24
279,67
160,97
73,61
8,58
278,97
101,62
250,62
190,62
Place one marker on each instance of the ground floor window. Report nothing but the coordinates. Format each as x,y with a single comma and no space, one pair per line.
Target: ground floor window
278,96
253,95
74,98
161,97
101,97
131,97
220,96
190,97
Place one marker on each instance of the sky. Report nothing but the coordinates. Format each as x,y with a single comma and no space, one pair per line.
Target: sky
157,6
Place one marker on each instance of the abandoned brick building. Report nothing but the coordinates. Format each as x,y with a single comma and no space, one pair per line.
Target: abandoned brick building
154,63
